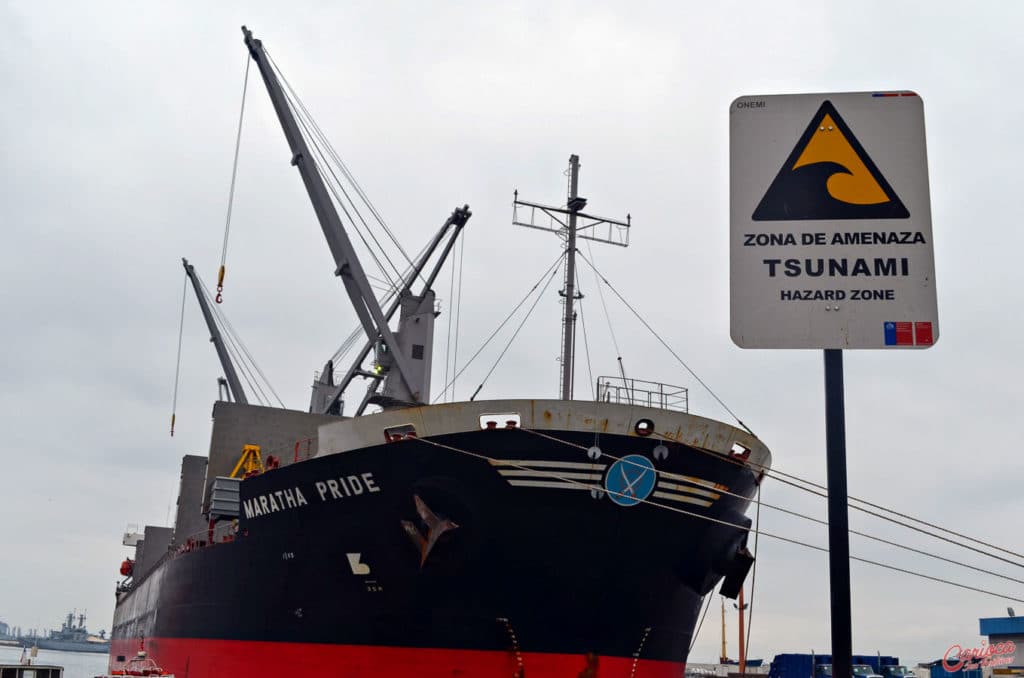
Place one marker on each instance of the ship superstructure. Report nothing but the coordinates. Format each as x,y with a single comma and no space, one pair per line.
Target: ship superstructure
518,537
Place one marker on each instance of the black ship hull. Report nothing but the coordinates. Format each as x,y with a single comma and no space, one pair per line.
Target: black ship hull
551,560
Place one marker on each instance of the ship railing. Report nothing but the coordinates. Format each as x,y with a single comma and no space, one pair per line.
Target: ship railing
223,533
625,391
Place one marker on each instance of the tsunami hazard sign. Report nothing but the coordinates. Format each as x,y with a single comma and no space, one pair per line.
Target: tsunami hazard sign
831,237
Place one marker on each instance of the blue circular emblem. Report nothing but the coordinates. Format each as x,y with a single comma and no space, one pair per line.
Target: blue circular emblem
630,480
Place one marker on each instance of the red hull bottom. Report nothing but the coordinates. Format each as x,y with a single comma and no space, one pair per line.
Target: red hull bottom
197,658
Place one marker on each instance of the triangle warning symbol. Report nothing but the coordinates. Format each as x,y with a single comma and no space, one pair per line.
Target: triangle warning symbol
829,176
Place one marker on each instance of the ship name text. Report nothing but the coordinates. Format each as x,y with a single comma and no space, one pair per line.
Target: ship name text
348,486
328,490
272,502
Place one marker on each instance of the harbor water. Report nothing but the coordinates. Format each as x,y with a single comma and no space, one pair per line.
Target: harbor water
76,664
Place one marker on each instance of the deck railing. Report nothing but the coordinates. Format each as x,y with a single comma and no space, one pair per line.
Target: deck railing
644,393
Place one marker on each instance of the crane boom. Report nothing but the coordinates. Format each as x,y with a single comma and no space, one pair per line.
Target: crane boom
347,263
234,385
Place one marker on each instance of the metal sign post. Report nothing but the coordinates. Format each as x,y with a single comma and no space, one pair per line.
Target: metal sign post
838,518
831,248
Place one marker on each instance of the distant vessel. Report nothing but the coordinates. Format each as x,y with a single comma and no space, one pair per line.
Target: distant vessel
73,638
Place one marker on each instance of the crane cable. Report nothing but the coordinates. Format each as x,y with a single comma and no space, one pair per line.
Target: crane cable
448,338
177,362
231,191
242,351
322,146
341,165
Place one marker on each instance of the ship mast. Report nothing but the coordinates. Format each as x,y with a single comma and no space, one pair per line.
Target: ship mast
724,658
234,385
575,204
599,229
405,382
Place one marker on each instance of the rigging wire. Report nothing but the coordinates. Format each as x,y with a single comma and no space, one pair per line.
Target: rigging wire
514,335
299,108
328,183
791,512
333,187
355,184
177,362
235,354
753,573
608,319
696,633
458,309
230,332
775,475
773,472
740,421
448,341
231,191
665,344
505,321
254,388
351,178
237,338
358,331
586,347
718,521
937,527
586,343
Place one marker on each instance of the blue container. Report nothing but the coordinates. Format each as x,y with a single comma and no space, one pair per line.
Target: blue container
939,672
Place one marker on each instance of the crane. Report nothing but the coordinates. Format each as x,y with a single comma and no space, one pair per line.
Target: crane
403,357
235,391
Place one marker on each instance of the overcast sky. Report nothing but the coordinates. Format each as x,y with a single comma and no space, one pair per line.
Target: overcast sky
117,129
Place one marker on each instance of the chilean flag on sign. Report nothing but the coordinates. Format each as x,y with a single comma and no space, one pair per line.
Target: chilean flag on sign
908,333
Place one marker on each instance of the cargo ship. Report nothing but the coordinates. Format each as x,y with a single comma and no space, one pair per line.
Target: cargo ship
535,538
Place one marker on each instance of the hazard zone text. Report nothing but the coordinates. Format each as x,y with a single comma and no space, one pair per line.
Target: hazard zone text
837,295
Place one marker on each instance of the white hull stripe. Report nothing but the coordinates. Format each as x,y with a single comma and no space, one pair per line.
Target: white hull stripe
690,479
686,489
544,463
553,484
681,498
554,474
